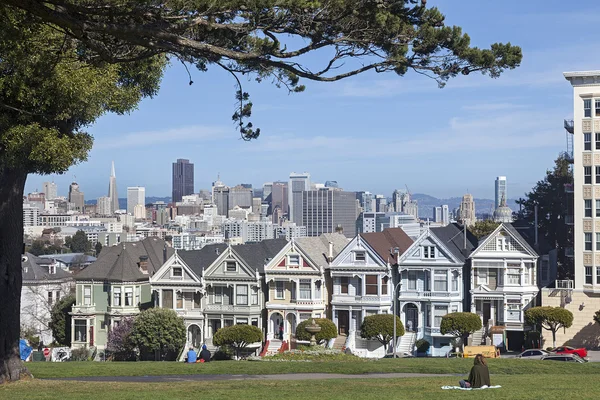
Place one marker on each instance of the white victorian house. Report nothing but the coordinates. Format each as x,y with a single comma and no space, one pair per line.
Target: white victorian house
431,273
503,282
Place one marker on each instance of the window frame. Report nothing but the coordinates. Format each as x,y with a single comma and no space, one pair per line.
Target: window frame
587,207
218,295
587,241
436,315
480,280
293,260
228,264
429,252
587,108
597,137
344,283
597,107
117,294
174,275
437,274
412,283
240,295
303,292
589,279
128,298
360,256
587,141
587,175
369,286
279,289
88,296
83,332
597,275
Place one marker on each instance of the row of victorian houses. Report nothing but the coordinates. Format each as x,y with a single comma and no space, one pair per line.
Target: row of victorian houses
278,282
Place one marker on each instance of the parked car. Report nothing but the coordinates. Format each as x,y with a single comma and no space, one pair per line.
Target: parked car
563,357
533,354
581,352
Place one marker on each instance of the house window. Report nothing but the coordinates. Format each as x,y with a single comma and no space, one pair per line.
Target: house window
587,205
501,243
305,289
87,295
384,285
587,141
371,285
440,281
428,252
179,298
50,295
412,280
482,276
438,313
359,256
128,296
513,310
455,282
117,296
428,316
588,275
513,276
254,295
294,260
318,290
197,299
80,330
588,241
241,295
167,299
137,296
254,321
587,108
279,289
231,267
218,294
304,316
587,175
241,321
344,285
597,106
177,272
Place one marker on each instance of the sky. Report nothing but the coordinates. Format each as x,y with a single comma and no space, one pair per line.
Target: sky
374,132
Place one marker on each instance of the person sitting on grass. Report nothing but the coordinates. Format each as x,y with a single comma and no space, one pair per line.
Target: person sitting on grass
479,376
191,356
204,354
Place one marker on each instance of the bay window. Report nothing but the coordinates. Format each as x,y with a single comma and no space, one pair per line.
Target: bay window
438,313
80,330
241,294
117,296
128,296
305,289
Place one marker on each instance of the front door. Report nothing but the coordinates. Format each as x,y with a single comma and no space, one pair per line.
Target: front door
343,322
487,312
412,318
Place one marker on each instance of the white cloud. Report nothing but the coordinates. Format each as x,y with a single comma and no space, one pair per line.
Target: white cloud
188,134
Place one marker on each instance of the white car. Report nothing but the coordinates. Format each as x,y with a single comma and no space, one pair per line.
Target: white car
533,354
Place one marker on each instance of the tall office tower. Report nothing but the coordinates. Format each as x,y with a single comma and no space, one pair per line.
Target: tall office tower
256,205
324,211
466,212
76,197
112,190
298,184
437,214
240,196
365,200
445,215
103,206
183,179
397,200
500,191
279,201
221,199
50,190
380,203
267,189
136,195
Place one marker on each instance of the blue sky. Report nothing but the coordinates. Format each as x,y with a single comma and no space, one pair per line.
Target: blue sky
374,132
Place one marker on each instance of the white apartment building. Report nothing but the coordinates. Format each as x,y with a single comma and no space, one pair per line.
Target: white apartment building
103,206
30,215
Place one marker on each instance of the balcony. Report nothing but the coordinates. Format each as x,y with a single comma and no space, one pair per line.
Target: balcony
569,188
569,220
370,299
433,332
81,309
307,302
428,295
564,284
569,125
228,308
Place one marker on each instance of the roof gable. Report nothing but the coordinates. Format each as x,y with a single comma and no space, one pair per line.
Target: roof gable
285,260
165,275
429,239
386,242
505,239
219,268
317,248
348,256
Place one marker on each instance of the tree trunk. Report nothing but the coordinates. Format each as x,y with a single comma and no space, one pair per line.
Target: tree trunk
12,183
553,338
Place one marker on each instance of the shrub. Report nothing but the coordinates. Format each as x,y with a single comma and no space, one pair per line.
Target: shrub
460,324
80,354
224,353
381,327
237,336
119,341
158,329
422,346
328,330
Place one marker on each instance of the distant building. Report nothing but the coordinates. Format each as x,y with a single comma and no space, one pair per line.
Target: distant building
298,184
332,184
76,197
324,211
103,206
365,200
112,190
500,186
50,190
503,213
240,196
380,203
441,215
31,215
267,189
279,201
183,179
221,199
135,196
466,212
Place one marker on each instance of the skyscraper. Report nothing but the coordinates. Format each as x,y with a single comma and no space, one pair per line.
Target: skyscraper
466,214
279,200
50,190
183,179
324,211
136,195
112,190
240,196
76,197
500,191
267,189
298,184
103,206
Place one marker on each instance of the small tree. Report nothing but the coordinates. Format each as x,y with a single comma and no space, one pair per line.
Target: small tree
483,228
119,340
460,325
381,327
328,330
237,336
60,320
79,243
550,318
158,330
98,248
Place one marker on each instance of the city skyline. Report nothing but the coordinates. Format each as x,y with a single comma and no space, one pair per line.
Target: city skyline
473,130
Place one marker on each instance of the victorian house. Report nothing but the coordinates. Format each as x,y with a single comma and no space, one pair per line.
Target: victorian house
296,282
361,276
115,286
503,283
431,283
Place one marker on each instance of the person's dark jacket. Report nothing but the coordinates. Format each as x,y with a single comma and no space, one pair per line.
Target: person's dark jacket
479,376
205,355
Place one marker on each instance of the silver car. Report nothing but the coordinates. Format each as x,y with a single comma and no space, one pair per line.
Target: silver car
563,357
533,354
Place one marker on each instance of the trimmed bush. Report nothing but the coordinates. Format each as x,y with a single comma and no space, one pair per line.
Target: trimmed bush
328,330
422,346
381,327
549,318
158,329
237,336
460,325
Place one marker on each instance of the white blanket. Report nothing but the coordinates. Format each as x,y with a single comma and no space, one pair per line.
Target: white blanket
460,388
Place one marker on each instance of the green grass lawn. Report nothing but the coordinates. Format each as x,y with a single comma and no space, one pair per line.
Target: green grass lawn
521,386
361,366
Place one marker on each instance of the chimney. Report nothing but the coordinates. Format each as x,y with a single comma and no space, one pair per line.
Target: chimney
330,253
217,250
143,264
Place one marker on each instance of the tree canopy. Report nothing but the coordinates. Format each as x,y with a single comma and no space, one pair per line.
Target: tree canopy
549,318
60,320
381,327
237,336
460,325
483,228
328,330
158,329
79,243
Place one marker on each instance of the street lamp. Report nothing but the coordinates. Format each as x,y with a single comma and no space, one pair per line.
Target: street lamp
398,285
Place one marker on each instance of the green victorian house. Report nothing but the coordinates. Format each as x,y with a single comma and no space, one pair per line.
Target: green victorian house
115,286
